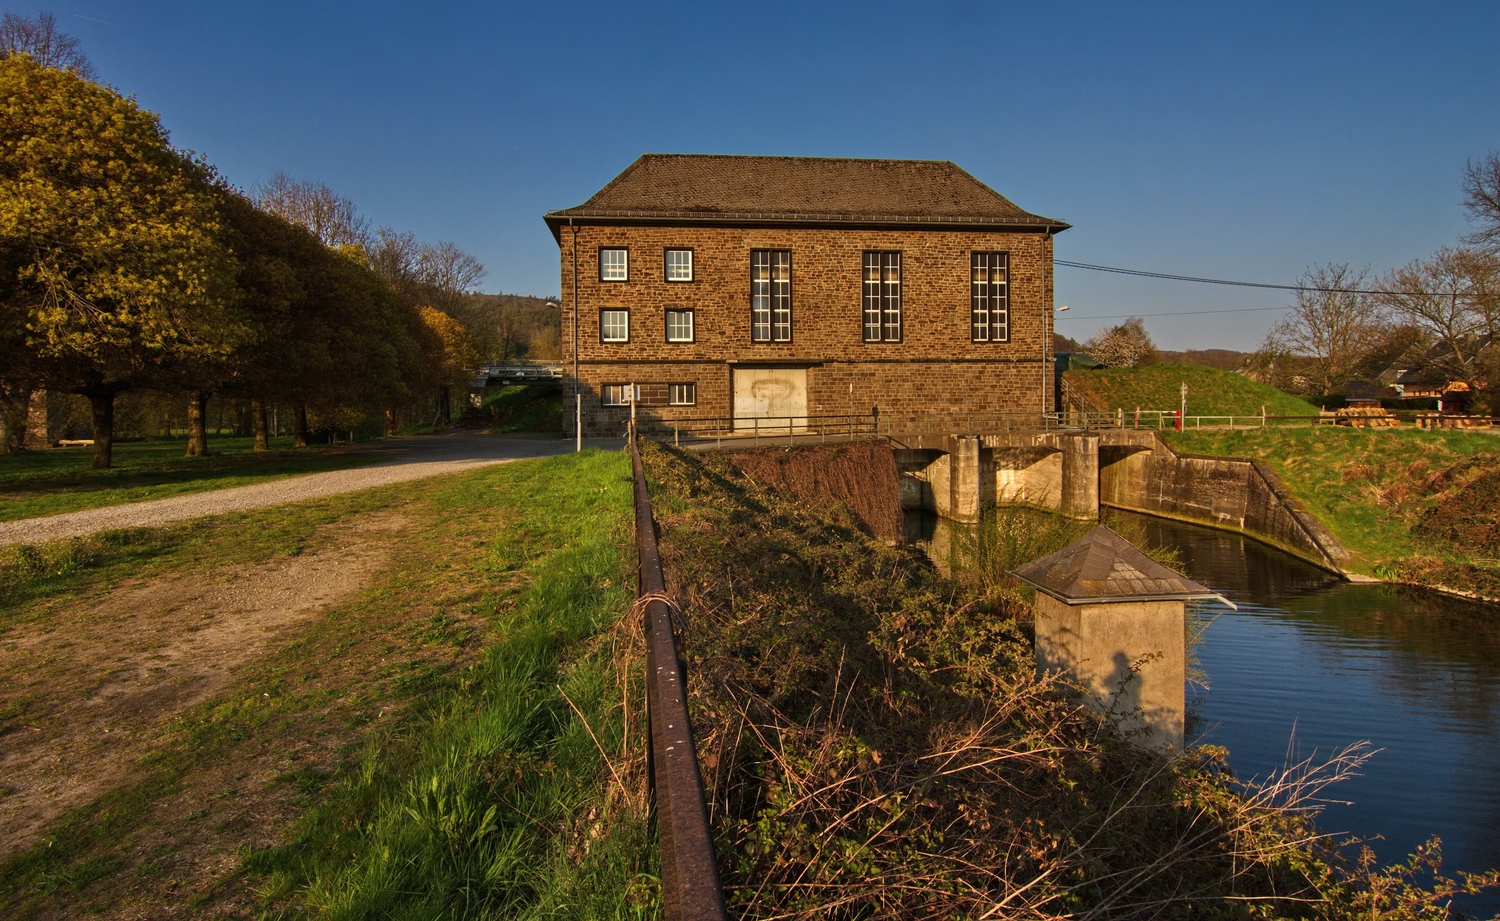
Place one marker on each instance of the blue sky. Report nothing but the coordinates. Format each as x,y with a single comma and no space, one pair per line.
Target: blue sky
1234,141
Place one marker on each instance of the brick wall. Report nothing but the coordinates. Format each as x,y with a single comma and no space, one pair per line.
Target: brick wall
935,368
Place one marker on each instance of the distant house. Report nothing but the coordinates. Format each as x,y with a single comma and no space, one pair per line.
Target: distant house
1365,394
768,288
1434,376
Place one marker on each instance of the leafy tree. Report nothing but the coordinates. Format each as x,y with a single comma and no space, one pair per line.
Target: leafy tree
449,353
109,240
1332,323
1124,346
41,39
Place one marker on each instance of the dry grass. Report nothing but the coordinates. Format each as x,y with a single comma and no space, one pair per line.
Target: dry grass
876,744
860,477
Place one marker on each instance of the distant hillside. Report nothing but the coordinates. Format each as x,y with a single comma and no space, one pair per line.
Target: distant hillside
1211,391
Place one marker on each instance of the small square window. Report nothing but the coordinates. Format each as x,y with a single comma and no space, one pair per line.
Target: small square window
620,394
679,265
614,264
683,395
614,326
679,326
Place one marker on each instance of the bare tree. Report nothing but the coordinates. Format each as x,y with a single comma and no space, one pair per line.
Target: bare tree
393,256
1332,323
448,269
1481,185
1123,346
1451,297
41,39
333,218
512,336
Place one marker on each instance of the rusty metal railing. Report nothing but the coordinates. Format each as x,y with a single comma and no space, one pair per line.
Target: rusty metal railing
690,883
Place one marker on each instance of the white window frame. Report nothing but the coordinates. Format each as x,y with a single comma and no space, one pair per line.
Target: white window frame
609,268
989,296
770,295
615,313
682,394
619,394
882,296
692,330
669,268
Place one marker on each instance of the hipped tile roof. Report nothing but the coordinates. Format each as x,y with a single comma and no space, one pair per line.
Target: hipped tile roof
1101,567
700,188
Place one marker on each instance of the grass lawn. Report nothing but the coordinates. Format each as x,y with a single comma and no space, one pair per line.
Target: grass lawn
60,480
432,743
1365,485
1211,392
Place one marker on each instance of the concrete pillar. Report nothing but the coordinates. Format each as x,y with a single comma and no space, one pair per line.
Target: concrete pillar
1080,475
1128,656
964,472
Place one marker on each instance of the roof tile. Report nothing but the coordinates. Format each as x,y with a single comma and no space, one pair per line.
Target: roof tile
710,188
1101,567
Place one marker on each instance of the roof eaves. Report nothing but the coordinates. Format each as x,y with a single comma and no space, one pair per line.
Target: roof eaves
582,214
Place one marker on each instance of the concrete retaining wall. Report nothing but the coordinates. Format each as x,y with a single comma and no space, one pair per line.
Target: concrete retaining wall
1139,472
958,476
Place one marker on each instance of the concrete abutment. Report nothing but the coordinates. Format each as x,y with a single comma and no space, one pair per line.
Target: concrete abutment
1076,473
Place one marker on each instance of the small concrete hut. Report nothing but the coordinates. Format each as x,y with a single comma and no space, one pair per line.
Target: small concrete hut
1114,620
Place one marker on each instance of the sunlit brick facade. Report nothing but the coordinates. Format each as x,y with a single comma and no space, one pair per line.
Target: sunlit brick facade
807,288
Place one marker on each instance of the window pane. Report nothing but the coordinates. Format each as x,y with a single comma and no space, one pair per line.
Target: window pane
989,296
679,326
683,394
760,296
781,295
679,265
872,297
613,264
891,277
882,297
614,325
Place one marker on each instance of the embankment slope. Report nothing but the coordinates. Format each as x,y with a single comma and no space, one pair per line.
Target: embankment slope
1211,392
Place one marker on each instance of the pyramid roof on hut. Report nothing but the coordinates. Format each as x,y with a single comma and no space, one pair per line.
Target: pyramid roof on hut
1103,567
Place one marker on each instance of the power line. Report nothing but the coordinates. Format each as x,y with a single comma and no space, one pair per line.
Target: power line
1216,281
1179,313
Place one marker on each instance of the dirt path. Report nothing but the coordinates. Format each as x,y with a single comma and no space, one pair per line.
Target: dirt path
89,691
401,461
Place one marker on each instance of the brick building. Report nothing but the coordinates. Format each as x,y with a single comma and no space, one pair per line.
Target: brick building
793,287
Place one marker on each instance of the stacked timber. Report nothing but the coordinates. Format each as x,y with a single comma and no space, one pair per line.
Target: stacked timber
1366,417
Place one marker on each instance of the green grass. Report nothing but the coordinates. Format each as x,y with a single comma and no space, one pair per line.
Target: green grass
52,482
1349,478
478,790
1211,392
523,408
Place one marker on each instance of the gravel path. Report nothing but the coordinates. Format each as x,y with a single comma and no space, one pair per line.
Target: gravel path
401,461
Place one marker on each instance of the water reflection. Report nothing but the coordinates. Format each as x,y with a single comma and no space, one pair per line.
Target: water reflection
1415,673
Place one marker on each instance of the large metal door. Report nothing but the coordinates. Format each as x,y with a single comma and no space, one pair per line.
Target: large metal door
770,398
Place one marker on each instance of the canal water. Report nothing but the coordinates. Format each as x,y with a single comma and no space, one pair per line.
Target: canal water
1310,664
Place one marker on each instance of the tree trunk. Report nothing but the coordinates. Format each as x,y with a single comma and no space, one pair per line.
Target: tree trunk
258,418
197,424
15,401
300,428
103,405
390,423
